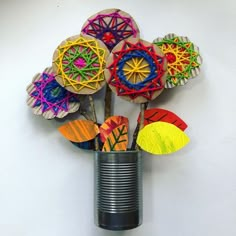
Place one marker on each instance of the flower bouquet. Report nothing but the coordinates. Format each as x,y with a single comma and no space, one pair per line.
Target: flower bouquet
109,53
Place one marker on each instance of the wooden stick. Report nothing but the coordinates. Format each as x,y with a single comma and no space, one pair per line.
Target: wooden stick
94,119
85,115
139,126
108,97
82,110
135,135
142,108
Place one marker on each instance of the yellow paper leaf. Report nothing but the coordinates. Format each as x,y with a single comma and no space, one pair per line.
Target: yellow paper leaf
79,130
161,138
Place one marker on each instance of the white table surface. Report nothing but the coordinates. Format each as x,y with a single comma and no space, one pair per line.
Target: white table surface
46,184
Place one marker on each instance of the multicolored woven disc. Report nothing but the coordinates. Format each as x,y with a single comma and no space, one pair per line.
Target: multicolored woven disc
48,98
79,63
111,26
183,59
136,70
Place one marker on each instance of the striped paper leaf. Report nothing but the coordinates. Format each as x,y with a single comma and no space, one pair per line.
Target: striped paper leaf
158,114
79,130
110,124
161,138
117,140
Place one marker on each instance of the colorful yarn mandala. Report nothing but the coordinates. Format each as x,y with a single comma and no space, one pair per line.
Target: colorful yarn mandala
136,70
48,98
183,59
79,64
111,26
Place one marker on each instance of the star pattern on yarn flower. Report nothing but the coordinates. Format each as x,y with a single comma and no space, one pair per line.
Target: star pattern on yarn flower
50,96
80,64
111,28
136,70
183,59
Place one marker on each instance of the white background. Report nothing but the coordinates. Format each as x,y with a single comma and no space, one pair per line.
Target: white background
46,184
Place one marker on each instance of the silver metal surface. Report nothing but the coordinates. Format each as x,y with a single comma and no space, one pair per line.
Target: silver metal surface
118,189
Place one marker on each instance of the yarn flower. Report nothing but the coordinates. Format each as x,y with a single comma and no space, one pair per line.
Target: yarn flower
79,64
183,59
136,70
111,26
48,98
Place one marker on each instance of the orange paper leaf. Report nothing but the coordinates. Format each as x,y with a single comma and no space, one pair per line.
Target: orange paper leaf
157,114
117,140
110,124
79,130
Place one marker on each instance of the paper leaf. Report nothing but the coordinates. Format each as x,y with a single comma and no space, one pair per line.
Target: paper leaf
117,140
89,145
161,138
157,114
79,130
110,124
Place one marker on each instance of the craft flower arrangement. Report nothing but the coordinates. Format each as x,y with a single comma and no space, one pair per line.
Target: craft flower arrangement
109,53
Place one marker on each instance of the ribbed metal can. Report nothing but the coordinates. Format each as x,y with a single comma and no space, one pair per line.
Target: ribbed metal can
118,190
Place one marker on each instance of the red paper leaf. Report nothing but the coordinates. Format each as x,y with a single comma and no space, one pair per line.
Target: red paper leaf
110,124
157,114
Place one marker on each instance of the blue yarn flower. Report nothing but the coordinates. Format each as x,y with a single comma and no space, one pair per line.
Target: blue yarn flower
51,97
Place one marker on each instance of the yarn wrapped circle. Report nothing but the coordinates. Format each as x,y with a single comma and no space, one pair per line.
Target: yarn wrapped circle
50,99
79,64
111,26
136,70
183,59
